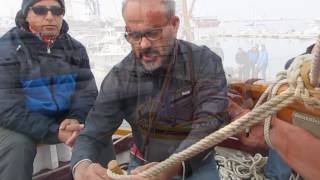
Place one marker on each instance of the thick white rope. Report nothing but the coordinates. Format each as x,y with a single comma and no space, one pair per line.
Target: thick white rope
271,92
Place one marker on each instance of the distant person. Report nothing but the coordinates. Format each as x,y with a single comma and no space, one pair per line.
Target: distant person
46,86
243,62
262,62
218,50
253,55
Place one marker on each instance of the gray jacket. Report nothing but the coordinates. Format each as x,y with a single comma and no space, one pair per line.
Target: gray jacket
192,105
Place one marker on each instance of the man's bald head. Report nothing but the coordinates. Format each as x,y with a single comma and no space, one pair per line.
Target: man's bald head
169,5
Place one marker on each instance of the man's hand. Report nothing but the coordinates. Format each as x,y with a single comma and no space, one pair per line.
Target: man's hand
145,167
255,137
90,171
236,111
69,130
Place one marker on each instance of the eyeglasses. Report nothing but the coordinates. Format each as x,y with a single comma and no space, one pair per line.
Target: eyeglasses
135,37
43,10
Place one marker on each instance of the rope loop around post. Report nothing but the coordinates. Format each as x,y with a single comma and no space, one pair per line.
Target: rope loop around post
315,67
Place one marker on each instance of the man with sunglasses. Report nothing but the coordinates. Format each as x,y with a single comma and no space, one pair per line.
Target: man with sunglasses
171,92
46,86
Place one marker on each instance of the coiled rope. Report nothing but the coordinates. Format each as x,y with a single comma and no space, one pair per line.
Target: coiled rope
236,165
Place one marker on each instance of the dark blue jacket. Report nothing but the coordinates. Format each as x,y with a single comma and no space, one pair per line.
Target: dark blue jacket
39,89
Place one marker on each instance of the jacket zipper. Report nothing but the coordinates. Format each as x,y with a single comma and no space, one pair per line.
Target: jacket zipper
48,50
49,46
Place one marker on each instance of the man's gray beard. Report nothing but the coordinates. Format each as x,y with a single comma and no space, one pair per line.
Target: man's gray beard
151,66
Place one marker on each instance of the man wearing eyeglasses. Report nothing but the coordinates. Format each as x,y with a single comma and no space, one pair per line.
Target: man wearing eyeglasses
46,86
172,93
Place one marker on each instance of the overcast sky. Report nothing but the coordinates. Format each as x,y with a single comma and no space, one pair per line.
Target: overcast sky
259,8
223,9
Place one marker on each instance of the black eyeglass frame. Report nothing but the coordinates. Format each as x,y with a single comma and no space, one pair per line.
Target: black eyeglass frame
147,34
43,10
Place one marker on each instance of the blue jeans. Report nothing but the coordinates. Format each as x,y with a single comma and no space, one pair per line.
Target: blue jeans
206,172
276,168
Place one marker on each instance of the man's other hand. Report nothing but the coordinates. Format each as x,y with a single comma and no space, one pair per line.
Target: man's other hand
90,171
164,175
69,130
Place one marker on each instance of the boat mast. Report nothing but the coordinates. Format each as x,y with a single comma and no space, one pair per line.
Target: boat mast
187,15
93,7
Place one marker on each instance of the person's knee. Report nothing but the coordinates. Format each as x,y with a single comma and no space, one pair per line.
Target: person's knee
20,147
17,154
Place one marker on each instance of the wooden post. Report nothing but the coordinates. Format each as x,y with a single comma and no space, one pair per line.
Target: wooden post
114,167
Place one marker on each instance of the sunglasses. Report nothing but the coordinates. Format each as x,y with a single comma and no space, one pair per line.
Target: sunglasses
43,10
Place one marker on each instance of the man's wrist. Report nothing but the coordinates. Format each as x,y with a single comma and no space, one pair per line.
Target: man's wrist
80,166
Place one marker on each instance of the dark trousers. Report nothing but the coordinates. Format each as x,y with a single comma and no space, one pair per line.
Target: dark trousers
17,153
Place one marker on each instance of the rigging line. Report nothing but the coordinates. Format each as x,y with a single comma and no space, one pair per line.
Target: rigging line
118,10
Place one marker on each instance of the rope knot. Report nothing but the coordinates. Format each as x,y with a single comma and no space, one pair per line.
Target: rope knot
298,76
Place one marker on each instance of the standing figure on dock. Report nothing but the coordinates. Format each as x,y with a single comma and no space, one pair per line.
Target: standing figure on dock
218,50
46,86
243,63
262,63
253,55
172,93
